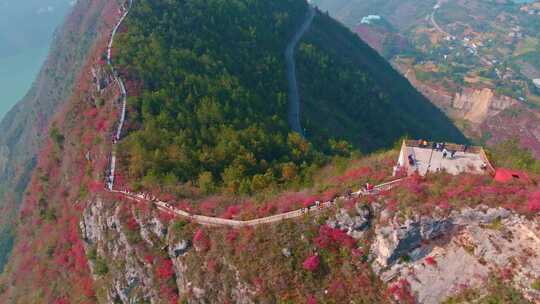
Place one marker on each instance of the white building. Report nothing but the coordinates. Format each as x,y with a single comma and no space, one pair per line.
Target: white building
537,82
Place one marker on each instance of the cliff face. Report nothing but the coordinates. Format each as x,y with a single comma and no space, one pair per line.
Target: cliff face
78,243
471,104
138,254
25,127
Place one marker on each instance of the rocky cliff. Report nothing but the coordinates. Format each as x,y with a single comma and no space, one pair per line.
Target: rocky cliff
79,243
475,105
443,257
25,127
139,254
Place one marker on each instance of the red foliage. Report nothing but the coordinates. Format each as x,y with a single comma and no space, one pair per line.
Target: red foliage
165,269
402,292
259,285
354,174
309,201
201,241
209,206
506,274
231,212
91,113
431,261
333,237
61,301
96,186
132,224
101,125
232,236
149,258
311,300
329,195
165,217
311,263
533,204
212,266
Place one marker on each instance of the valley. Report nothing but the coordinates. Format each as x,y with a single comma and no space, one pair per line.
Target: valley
27,31
253,151
473,59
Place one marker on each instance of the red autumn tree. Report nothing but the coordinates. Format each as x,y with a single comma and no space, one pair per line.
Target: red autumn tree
201,240
311,263
333,238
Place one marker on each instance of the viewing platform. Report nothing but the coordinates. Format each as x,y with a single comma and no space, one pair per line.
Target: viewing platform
423,156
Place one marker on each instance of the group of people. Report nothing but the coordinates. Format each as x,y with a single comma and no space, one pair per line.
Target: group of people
436,146
316,204
441,147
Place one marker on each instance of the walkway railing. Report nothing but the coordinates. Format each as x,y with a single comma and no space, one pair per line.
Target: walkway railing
217,221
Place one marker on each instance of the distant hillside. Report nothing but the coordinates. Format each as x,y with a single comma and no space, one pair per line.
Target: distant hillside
207,117
212,93
24,128
351,92
473,59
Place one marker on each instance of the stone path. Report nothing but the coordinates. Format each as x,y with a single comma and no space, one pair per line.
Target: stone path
294,119
120,82
216,221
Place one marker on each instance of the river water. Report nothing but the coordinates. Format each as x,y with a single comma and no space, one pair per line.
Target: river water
26,31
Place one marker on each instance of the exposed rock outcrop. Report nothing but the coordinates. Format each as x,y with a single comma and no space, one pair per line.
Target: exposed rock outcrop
464,250
397,241
102,231
355,224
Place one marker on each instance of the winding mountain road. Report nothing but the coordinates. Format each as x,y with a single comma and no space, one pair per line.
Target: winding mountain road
434,22
294,95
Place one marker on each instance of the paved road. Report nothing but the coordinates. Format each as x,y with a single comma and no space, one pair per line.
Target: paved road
294,95
434,22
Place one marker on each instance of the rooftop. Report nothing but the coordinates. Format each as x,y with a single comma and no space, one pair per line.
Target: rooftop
427,159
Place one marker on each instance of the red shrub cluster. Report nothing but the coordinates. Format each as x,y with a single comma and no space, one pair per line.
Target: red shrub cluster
506,274
402,292
212,266
91,113
533,204
337,289
329,195
311,300
311,263
431,261
232,236
132,224
309,201
165,269
231,212
354,174
201,240
331,237
149,259
209,206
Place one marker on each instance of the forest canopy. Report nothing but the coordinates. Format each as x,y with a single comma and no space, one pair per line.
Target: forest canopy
212,111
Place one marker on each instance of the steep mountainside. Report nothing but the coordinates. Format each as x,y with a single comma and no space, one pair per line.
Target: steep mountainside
473,59
212,102
24,128
351,91
207,132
